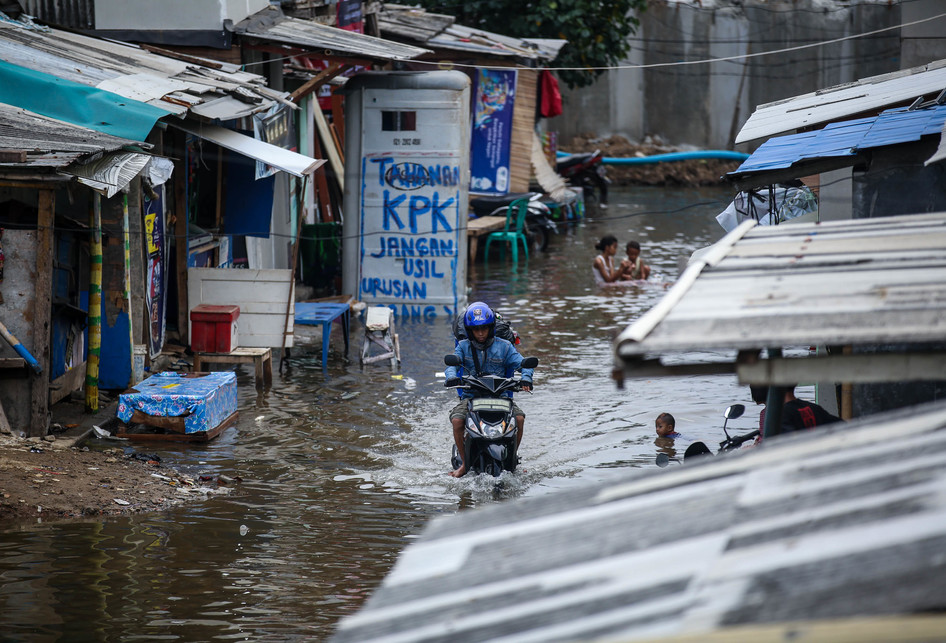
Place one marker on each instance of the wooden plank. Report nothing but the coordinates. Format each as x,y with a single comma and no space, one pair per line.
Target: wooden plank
328,146
12,156
42,313
12,362
62,386
858,368
260,294
314,83
523,127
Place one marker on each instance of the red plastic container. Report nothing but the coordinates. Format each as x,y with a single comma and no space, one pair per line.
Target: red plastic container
214,328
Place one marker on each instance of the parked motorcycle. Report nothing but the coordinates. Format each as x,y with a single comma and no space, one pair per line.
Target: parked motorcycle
587,172
539,224
491,431
731,443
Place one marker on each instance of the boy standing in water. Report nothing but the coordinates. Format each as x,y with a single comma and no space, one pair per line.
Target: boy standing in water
632,268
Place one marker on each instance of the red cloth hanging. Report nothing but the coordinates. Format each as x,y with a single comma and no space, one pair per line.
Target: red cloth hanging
551,96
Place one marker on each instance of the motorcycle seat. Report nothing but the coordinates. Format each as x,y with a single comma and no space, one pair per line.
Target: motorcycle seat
485,204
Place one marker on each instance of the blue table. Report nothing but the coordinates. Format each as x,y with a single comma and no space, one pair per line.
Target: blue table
316,313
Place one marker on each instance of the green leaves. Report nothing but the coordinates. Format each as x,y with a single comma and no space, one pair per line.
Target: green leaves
597,30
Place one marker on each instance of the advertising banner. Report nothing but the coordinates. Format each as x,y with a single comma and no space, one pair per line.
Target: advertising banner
493,101
156,287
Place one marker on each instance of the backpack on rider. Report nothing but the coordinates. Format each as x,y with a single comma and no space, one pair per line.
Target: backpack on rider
503,329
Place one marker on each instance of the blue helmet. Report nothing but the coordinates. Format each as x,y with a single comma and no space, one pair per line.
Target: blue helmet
479,314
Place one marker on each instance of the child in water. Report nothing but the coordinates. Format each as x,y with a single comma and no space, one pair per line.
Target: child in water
632,268
666,426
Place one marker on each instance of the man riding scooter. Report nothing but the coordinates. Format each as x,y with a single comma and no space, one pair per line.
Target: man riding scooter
482,353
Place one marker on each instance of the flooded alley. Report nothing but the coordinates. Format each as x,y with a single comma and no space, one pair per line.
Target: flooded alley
340,469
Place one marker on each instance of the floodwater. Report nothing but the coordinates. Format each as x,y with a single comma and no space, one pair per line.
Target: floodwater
341,469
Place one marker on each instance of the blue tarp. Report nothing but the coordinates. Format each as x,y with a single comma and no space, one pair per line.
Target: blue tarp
846,138
78,104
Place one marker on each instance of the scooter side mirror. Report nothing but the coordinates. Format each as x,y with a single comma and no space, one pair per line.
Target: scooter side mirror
529,362
663,460
734,411
451,360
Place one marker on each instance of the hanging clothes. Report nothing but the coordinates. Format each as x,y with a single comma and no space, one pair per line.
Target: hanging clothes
551,96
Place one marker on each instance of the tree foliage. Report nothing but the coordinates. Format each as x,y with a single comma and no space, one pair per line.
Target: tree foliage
596,30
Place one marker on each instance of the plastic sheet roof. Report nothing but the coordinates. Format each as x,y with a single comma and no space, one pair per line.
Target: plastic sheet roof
844,140
867,95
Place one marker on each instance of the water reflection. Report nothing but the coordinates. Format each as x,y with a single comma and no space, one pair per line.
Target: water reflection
341,468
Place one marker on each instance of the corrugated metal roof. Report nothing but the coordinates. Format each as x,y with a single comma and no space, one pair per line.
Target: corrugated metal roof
861,282
844,139
271,25
842,101
50,143
808,529
441,32
103,162
216,90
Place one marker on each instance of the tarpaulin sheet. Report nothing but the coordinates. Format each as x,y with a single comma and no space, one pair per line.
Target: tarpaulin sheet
78,104
204,400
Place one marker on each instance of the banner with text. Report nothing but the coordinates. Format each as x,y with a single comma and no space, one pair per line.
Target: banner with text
493,101
410,223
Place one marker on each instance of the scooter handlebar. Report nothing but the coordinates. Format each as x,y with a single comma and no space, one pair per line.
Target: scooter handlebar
737,441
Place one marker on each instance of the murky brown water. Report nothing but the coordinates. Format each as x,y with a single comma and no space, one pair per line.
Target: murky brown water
342,468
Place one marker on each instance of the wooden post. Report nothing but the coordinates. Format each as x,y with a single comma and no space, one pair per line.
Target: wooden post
180,243
292,280
126,236
95,307
42,296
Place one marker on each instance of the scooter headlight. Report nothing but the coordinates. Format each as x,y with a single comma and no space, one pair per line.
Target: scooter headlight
492,430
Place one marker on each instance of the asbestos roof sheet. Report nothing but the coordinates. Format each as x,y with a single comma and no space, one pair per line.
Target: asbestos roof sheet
819,532
272,26
843,101
844,139
50,143
214,90
860,283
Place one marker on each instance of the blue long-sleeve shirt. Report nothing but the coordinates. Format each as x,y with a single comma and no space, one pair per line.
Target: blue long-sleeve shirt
500,358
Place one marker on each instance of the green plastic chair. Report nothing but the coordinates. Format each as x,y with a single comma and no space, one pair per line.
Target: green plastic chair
513,232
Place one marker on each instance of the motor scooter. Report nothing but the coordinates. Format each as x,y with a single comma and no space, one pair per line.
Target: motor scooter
587,172
491,434
731,443
539,224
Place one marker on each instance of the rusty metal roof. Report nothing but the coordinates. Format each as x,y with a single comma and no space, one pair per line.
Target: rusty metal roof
215,90
858,283
50,143
441,32
55,150
271,25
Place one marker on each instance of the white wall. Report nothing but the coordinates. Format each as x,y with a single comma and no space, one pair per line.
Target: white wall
173,14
